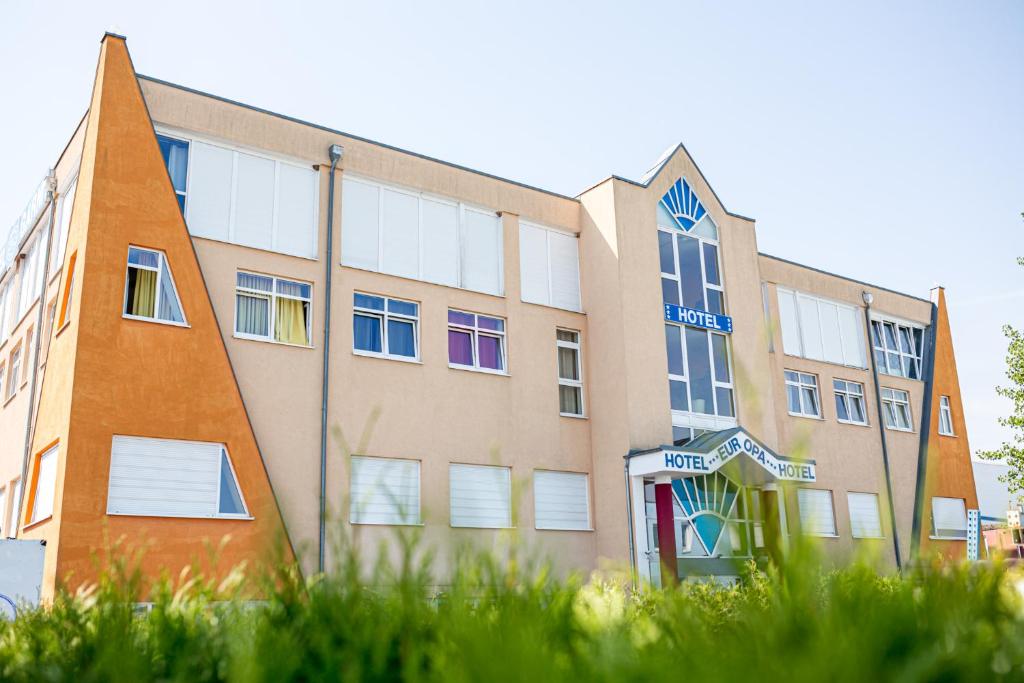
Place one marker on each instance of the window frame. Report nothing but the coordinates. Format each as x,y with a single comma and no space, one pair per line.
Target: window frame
847,396
577,347
589,526
15,360
878,511
13,513
475,331
797,296
508,474
68,291
945,417
383,316
800,384
935,532
832,510
160,133
272,297
52,450
882,353
891,401
162,261
352,509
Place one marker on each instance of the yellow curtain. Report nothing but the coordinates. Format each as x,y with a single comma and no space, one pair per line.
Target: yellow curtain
290,325
144,300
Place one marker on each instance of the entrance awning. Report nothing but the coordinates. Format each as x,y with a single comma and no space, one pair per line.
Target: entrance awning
734,451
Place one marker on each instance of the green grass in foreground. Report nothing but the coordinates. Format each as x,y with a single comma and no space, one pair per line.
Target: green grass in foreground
513,623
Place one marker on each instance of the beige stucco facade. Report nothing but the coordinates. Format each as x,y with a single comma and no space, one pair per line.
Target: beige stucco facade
428,411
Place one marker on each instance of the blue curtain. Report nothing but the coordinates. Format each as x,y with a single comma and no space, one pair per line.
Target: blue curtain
366,333
401,338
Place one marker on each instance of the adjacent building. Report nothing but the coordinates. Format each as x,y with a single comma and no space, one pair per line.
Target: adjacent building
221,321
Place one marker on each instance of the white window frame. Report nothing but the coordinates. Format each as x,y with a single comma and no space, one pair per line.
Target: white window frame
818,301
36,515
905,359
272,296
3,512
548,265
801,384
832,511
383,317
162,260
475,332
461,209
5,310
358,516
674,232
945,417
14,363
850,496
235,149
577,347
58,247
892,400
508,473
934,530
13,512
188,165
848,397
588,526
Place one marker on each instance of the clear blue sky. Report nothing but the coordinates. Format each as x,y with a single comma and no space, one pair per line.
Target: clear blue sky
879,140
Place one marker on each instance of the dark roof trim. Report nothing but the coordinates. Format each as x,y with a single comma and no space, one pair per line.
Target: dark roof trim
843,277
653,173
334,131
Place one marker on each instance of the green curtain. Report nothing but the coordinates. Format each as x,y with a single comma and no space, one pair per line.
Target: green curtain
144,299
290,325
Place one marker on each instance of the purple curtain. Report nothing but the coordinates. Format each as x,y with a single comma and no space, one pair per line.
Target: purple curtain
490,352
460,347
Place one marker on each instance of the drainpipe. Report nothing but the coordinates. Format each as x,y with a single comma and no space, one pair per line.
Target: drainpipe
41,306
868,298
335,152
926,430
629,518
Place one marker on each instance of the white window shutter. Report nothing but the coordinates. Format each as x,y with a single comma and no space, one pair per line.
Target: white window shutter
832,343
810,327
254,202
384,491
533,265
790,323
440,231
851,326
297,193
565,270
561,500
400,234
209,191
481,248
816,514
360,223
481,496
949,517
865,520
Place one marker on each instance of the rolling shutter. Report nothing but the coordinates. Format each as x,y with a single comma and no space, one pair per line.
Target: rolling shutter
360,223
816,515
533,265
296,210
481,496
565,270
481,251
851,327
254,202
949,517
865,521
401,234
561,500
440,231
810,327
549,267
209,191
790,323
384,491
168,478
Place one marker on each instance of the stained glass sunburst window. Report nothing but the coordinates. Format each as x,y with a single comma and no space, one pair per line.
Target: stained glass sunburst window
708,501
683,204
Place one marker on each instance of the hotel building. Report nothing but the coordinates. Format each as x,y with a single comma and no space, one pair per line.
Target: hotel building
220,321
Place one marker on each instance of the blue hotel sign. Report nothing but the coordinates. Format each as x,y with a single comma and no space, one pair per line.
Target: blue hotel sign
695,318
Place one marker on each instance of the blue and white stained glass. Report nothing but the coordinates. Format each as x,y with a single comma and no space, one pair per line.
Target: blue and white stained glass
709,501
683,205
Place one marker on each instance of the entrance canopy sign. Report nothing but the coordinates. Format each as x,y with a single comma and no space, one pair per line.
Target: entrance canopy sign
697,318
734,450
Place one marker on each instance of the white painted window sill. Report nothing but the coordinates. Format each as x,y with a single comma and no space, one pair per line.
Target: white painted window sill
483,371
384,356
265,340
154,320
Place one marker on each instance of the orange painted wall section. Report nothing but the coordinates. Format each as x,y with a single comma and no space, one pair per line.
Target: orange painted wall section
139,378
949,470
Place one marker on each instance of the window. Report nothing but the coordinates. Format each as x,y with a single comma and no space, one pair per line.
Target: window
410,234
561,500
167,478
243,198
549,267
570,372
949,518
2,375
476,341
176,157
29,345
816,515
865,520
802,394
820,329
13,371
385,327
5,312
11,527
69,291
481,496
850,402
149,292
898,348
384,491
3,511
690,272
896,409
270,308
700,379
945,417
45,486
31,278
60,238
